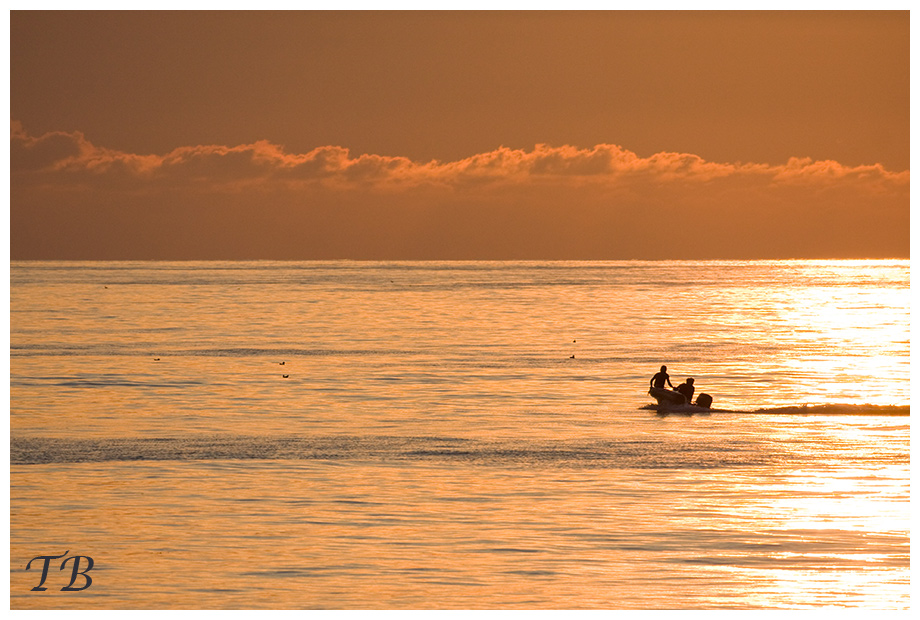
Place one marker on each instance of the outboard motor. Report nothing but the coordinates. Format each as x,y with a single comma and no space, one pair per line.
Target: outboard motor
704,400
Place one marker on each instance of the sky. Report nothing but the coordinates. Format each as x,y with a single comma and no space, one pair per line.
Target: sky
459,135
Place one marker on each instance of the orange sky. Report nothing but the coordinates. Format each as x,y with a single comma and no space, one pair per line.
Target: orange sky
459,135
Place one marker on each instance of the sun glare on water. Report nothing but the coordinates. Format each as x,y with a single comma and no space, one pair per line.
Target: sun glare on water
854,331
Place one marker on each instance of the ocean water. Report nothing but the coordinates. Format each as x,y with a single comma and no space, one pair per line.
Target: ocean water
459,435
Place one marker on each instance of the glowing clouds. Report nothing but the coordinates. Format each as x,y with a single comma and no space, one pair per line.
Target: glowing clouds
548,202
604,163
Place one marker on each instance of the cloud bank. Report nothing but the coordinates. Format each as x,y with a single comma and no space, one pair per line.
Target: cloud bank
72,157
261,201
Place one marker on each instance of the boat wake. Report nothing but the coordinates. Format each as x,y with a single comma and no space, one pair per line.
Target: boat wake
843,409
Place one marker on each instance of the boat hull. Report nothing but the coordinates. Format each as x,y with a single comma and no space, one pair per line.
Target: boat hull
667,397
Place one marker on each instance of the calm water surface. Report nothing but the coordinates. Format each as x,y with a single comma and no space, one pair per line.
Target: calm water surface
352,435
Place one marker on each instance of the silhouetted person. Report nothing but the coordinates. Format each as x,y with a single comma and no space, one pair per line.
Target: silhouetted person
686,388
659,379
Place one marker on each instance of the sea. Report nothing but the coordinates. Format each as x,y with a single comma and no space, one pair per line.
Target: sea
353,435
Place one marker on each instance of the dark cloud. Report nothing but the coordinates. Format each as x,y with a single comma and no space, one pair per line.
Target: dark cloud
47,151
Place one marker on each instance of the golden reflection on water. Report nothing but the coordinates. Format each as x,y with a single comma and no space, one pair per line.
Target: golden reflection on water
351,535
843,499
719,511
854,337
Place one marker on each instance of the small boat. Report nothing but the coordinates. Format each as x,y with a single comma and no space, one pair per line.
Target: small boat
672,398
667,397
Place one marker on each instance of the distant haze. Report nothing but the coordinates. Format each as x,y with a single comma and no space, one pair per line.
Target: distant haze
471,135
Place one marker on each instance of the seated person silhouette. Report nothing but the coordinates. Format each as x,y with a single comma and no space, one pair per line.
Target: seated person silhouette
686,388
